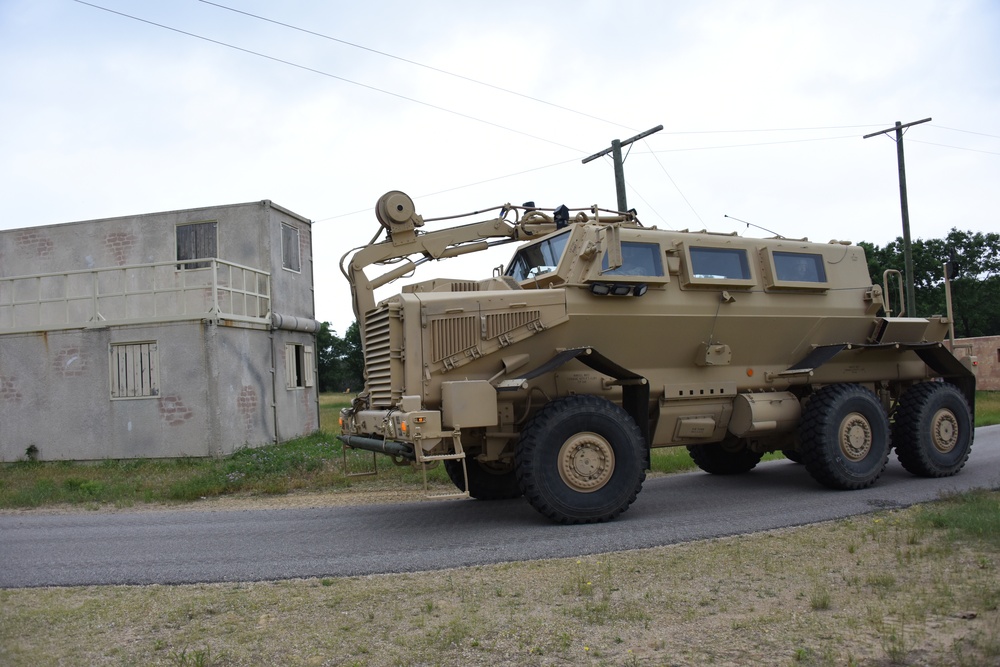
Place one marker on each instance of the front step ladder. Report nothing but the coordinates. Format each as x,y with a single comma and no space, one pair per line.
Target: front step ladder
459,455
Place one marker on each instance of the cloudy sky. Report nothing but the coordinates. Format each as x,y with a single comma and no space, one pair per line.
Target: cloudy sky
321,107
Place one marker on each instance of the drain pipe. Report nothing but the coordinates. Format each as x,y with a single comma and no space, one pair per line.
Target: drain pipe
274,385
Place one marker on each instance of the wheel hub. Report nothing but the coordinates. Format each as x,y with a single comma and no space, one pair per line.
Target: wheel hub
855,437
944,431
586,462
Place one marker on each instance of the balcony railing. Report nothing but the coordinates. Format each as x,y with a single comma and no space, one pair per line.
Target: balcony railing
137,294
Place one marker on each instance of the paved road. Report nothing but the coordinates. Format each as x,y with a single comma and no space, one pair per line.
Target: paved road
172,547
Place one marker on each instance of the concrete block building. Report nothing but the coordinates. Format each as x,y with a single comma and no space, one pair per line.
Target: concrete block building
184,333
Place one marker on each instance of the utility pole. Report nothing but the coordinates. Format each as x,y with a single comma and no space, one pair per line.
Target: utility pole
616,153
907,249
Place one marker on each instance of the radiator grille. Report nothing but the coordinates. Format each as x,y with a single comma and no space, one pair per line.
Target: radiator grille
453,335
378,357
501,323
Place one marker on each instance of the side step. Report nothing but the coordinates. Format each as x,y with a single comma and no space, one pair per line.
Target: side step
459,455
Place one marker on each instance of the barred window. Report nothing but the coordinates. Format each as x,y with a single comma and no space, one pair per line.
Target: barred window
134,370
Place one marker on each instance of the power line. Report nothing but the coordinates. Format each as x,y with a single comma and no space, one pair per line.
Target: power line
762,143
952,129
330,75
414,63
959,148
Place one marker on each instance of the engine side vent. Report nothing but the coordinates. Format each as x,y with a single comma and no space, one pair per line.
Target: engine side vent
465,286
453,335
501,323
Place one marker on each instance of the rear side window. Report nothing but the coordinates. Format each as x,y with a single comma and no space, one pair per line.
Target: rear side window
799,267
720,263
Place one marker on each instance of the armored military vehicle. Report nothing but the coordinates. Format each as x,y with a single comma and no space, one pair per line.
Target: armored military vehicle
603,338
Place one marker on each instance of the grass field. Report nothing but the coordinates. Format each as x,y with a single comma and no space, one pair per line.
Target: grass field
312,463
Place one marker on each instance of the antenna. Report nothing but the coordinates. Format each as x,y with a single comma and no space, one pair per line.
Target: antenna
750,224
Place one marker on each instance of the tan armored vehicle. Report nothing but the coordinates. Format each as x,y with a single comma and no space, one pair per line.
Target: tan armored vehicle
602,338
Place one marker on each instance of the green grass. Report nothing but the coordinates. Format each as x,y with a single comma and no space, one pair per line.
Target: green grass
314,462
971,515
987,408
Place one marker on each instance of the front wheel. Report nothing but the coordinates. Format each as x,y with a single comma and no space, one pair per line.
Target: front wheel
844,437
933,429
580,460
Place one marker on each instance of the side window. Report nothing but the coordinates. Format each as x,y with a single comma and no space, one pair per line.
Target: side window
290,256
798,267
298,366
720,263
134,370
638,259
195,241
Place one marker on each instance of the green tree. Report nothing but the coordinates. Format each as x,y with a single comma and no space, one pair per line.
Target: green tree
341,363
975,287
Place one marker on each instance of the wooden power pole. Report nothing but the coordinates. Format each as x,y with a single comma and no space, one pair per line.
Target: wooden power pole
907,249
616,153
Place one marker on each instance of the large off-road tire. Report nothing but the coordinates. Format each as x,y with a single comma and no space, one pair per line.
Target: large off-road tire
793,455
933,429
487,481
844,437
581,460
729,457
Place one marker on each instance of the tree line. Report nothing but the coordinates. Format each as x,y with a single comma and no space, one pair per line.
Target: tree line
974,259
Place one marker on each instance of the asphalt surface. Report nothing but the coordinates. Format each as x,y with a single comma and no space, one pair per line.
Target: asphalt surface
179,547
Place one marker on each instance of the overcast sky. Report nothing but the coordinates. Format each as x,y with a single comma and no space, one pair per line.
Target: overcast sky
468,105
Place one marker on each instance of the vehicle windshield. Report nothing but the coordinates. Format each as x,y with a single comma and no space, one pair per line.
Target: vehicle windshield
538,259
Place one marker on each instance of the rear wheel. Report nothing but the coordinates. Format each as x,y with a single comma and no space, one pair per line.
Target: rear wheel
580,460
729,457
844,437
933,429
487,481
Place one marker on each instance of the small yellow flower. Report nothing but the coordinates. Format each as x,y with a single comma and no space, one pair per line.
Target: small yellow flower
586,648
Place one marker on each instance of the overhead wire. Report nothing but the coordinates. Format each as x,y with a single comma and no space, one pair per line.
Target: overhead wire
504,90
330,75
415,63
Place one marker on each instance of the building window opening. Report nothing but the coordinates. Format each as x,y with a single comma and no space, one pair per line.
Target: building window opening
290,254
298,366
134,370
195,241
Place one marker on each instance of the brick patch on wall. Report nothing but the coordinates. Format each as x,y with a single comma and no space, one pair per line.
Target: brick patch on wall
8,389
247,403
34,242
119,244
173,410
70,362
